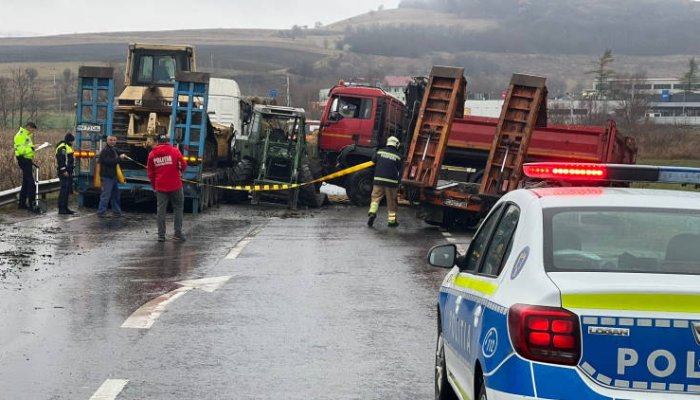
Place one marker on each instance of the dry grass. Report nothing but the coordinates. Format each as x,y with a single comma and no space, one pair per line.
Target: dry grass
10,175
667,142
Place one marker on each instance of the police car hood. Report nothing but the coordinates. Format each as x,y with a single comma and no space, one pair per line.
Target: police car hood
638,331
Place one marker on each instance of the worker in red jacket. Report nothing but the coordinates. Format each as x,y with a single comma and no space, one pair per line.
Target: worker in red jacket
165,166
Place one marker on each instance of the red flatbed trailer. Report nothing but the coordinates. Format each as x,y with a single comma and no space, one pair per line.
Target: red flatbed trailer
556,142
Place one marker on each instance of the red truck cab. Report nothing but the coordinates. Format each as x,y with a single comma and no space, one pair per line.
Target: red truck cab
355,122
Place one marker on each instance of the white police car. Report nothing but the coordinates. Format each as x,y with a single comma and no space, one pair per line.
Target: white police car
576,293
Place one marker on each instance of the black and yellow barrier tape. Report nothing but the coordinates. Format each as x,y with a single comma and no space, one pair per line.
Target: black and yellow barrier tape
281,186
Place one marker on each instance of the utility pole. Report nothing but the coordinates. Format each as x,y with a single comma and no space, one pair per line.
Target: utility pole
289,97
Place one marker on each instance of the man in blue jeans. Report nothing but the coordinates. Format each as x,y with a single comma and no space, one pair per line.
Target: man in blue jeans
109,159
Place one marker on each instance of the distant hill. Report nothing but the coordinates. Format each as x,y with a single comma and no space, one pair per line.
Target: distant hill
492,39
632,27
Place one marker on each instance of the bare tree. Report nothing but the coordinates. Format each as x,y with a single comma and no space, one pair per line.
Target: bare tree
633,101
67,91
20,86
33,93
690,79
5,96
602,73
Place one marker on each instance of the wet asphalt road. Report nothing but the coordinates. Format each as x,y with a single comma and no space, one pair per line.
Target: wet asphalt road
316,306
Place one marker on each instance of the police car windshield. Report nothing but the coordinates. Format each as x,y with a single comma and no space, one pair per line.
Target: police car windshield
622,240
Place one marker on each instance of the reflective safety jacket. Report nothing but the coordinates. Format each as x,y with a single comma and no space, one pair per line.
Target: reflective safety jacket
24,147
388,167
64,158
165,166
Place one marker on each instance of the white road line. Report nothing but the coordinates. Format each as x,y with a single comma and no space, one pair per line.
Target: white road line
446,234
144,317
147,314
110,389
238,248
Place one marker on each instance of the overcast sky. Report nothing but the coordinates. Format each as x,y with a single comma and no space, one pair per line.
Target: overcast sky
49,17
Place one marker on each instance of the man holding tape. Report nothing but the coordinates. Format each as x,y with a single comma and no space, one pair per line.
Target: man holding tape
165,166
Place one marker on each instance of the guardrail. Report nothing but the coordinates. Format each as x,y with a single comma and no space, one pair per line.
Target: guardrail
10,196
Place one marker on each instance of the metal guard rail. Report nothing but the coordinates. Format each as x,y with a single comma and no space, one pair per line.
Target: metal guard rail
10,196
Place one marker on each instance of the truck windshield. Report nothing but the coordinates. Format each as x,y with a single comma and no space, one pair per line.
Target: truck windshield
661,241
352,107
158,69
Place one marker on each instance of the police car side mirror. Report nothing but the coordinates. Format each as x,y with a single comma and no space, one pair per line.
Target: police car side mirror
443,256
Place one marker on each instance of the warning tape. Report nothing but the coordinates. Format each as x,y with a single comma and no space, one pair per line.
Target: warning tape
283,186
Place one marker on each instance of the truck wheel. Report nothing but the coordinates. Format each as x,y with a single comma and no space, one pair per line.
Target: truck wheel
309,195
243,174
359,187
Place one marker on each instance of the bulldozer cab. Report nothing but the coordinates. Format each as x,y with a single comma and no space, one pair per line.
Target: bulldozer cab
157,65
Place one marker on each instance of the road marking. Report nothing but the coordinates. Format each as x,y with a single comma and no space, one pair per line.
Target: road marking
446,234
110,389
147,314
238,248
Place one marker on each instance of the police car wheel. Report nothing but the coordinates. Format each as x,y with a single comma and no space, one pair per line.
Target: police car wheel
482,392
443,390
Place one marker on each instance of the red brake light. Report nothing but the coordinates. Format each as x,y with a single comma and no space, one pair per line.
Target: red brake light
546,334
585,172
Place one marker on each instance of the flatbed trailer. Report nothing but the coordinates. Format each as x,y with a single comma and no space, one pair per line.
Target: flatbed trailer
471,138
483,157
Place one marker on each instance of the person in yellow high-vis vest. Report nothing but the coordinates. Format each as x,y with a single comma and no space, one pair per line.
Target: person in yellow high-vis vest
24,152
65,164
387,172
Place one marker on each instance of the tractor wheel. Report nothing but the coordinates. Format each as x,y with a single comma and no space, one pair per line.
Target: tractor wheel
359,187
243,174
309,194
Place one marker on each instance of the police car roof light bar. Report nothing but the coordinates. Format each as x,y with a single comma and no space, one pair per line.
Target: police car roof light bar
612,172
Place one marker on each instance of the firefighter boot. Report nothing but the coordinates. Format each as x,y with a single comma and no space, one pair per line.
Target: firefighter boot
373,208
393,223
370,220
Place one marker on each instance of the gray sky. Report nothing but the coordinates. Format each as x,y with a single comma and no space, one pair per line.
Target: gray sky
50,17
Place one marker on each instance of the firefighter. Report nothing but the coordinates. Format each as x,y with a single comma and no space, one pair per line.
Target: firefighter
24,152
65,163
387,172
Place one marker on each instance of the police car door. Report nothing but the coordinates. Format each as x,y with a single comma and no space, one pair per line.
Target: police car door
473,288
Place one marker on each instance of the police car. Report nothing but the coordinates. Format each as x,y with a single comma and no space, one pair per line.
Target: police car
576,292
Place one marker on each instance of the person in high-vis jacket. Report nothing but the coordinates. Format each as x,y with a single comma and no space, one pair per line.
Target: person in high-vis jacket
65,163
24,152
387,172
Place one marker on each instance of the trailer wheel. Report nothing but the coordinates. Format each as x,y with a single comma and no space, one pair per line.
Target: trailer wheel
359,187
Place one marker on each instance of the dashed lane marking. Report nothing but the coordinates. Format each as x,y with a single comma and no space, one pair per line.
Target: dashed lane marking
147,314
110,389
238,248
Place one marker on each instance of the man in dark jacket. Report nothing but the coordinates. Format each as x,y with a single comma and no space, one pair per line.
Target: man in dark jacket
109,159
165,166
65,163
387,172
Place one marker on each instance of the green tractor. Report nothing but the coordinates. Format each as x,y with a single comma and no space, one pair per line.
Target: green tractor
272,150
